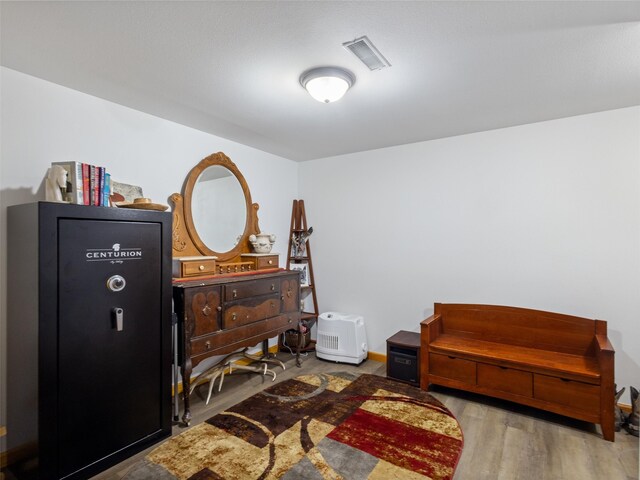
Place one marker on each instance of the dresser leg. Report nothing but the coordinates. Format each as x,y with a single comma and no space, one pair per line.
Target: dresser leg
298,363
186,386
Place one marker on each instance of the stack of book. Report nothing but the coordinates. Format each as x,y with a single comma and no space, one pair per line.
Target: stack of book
86,184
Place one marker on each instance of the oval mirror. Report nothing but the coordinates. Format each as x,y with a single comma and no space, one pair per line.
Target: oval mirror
217,207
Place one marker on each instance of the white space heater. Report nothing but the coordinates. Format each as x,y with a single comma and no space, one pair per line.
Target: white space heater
341,338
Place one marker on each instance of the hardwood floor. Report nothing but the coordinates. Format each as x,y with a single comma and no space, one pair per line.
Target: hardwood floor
502,440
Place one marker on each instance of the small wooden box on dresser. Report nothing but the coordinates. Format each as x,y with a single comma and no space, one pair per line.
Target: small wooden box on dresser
221,315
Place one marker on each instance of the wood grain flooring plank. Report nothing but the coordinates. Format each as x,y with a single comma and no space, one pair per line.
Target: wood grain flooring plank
606,458
523,456
484,455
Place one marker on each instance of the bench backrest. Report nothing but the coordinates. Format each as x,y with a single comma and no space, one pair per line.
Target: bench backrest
520,327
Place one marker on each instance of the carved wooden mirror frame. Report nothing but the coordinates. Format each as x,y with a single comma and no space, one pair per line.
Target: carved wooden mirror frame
185,238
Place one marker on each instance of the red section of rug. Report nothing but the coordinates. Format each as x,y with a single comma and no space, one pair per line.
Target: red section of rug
404,445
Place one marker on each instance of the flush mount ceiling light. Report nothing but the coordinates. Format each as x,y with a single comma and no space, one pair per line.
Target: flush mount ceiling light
327,84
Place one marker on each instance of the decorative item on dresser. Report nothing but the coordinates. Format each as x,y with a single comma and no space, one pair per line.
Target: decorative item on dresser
88,335
262,242
555,362
226,296
299,259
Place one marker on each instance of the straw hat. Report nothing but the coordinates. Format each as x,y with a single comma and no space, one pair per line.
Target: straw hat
142,204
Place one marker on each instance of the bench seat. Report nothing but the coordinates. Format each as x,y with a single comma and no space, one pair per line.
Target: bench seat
559,363
564,365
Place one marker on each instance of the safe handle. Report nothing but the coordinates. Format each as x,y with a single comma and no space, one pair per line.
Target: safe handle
117,314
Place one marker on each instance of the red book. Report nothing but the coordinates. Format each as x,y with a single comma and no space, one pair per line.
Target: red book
85,184
95,190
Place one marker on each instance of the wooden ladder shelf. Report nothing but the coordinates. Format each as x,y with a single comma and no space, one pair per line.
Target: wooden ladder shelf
299,257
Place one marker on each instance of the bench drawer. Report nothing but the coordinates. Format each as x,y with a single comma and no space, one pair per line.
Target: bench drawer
452,367
571,393
505,379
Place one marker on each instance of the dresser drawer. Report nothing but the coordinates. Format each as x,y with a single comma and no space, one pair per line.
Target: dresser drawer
286,321
505,379
202,305
290,294
577,395
453,368
242,313
225,339
204,344
194,266
253,288
206,267
266,262
262,261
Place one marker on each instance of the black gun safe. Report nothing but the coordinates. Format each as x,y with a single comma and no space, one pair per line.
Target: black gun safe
88,335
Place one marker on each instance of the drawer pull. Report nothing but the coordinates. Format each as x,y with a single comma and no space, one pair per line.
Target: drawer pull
289,319
273,287
233,317
206,310
504,368
201,267
235,293
270,262
566,380
273,305
289,293
452,358
219,308
207,345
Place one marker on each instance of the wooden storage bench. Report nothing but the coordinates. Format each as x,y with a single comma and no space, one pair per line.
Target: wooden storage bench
559,363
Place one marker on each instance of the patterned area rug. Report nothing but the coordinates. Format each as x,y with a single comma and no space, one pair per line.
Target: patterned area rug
325,426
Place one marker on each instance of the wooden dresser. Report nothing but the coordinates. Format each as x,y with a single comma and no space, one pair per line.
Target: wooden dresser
220,315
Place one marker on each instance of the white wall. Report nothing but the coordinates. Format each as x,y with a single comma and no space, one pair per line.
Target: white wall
545,216
43,123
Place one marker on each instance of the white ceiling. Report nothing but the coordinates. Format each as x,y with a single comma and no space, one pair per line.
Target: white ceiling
232,68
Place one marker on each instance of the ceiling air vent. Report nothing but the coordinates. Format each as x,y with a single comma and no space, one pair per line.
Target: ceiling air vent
367,53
